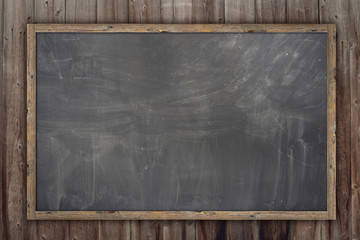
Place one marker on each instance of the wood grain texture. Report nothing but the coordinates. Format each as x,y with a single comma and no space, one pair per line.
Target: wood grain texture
50,11
2,129
208,11
270,11
81,11
144,11
345,227
337,12
167,11
182,28
183,11
113,11
238,11
302,11
354,47
14,71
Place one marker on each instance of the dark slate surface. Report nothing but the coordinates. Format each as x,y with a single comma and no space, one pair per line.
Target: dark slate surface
181,121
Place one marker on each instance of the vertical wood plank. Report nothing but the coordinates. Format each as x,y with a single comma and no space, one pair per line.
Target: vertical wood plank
274,230
337,12
270,11
354,47
239,11
112,11
167,11
302,11
16,14
144,11
114,230
242,230
208,11
183,11
50,11
84,230
307,230
176,11
30,231
199,11
177,230
81,11
3,233
211,230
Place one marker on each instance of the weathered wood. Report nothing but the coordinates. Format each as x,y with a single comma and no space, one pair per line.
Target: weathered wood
144,11
302,11
242,230
354,47
113,11
176,11
337,12
208,11
15,15
211,230
331,121
50,11
167,11
238,11
270,11
274,230
3,228
183,11
114,230
81,11
150,28
84,230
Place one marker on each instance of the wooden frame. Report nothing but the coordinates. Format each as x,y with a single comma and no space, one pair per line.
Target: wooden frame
330,214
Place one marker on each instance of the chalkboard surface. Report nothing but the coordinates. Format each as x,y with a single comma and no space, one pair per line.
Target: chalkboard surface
181,121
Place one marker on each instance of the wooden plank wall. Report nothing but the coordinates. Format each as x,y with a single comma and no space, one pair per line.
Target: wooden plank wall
14,14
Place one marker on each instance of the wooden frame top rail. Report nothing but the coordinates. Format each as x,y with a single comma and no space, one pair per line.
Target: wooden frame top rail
33,214
182,28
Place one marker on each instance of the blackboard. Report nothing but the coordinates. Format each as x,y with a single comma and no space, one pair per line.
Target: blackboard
165,121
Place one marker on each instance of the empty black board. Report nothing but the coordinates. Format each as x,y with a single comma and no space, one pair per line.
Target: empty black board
211,121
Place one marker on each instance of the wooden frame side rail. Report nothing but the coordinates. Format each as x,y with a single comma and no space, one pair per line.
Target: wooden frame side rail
330,214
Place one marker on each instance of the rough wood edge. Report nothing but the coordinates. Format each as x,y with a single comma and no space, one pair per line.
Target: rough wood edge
181,215
331,121
31,122
163,28
32,214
